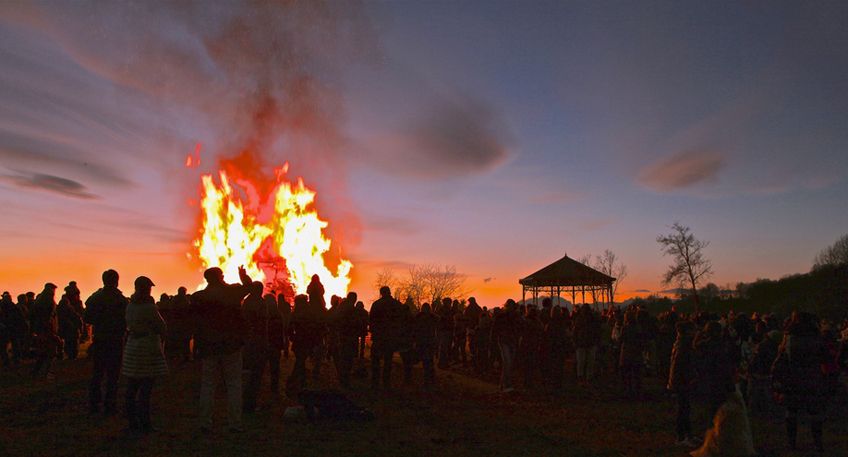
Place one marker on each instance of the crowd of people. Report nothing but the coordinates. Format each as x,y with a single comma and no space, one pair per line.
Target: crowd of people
734,359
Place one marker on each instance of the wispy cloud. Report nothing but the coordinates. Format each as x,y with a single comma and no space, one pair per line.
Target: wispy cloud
50,183
683,170
456,136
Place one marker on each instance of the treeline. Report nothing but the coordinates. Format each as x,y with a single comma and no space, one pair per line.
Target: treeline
823,291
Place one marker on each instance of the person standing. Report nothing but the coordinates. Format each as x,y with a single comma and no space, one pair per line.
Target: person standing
348,331
105,311
17,327
681,380
798,371
424,331
43,326
587,335
219,338
304,332
362,326
69,326
383,338
277,337
506,330
256,313
144,360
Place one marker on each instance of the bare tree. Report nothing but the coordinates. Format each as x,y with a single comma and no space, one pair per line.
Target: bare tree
690,266
835,254
609,264
426,283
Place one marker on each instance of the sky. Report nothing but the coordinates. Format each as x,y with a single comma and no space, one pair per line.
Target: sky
495,137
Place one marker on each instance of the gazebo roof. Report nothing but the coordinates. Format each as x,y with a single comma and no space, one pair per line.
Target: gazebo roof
566,272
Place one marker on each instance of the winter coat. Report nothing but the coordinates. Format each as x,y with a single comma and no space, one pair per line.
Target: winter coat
143,356
682,372
632,345
714,364
587,330
763,357
802,356
14,319
69,321
220,326
506,329
105,311
424,329
386,321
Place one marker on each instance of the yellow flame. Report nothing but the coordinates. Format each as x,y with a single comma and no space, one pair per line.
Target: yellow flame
300,240
229,237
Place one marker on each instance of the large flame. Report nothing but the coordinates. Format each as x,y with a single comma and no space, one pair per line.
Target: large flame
232,235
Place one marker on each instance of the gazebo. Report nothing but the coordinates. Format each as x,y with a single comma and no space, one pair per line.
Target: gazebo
568,275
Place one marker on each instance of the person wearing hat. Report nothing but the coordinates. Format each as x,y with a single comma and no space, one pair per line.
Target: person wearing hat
144,360
43,326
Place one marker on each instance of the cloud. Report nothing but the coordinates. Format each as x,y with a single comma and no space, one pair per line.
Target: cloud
642,291
683,170
48,154
50,183
556,197
487,280
456,136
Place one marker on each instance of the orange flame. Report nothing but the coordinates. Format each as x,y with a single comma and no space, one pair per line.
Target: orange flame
231,234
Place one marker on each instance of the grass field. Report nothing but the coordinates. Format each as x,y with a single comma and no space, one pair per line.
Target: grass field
464,415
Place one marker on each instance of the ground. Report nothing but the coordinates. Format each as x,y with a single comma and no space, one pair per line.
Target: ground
464,415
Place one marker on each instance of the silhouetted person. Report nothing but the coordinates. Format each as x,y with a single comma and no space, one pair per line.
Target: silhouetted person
798,366
315,291
556,341
506,329
347,324
587,335
472,318
362,326
630,356
144,360
43,326
405,342
277,337
318,312
759,372
257,314
681,380
483,342
715,367
6,305
105,311
424,331
72,292
69,326
16,326
529,346
179,329
444,333
286,311
219,338
384,337
305,333
460,334
332,336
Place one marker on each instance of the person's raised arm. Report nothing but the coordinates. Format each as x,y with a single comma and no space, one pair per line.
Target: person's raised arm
245,279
